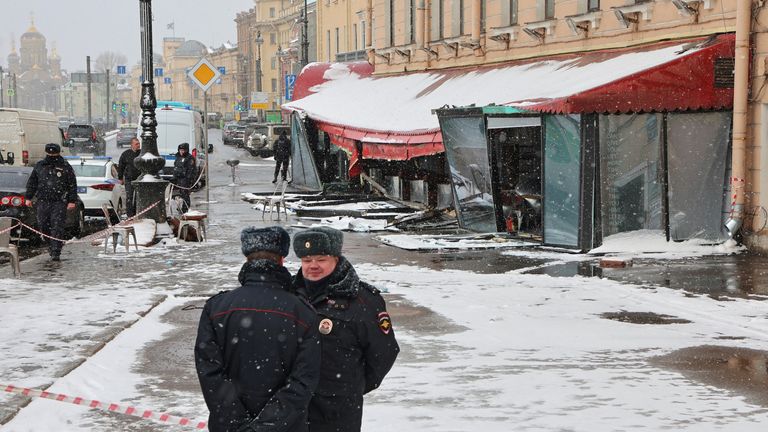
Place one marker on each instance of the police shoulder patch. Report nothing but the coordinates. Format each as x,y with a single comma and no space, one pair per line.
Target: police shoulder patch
385,322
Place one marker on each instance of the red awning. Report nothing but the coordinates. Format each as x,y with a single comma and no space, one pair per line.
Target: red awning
391,116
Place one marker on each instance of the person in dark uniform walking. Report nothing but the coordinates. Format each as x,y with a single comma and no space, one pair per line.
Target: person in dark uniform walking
127,173
54,185
257,352
184,170
282,155
358,342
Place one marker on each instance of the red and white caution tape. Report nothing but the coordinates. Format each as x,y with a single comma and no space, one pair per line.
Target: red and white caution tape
10,228
109,407
90,238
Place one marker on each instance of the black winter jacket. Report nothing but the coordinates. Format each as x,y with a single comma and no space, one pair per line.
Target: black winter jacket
184,172
52,180
282,148
359,348
257,353
126,170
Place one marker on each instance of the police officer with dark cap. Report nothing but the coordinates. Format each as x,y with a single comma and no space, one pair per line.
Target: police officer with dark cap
359,346
184,172
53,186
257,352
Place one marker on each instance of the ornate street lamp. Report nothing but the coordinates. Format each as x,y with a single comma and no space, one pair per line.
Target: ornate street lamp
149,188
259,42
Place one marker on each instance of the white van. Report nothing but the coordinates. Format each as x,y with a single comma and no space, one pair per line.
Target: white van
24,134
176,126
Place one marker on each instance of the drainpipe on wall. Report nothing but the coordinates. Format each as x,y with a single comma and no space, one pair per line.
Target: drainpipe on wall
476,21
369,31
420,24
740,106
426,28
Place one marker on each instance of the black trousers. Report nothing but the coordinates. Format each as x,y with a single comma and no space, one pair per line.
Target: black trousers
52,220
130,203
284,164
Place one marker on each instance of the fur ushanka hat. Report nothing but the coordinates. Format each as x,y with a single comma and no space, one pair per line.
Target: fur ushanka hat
318,241
270,239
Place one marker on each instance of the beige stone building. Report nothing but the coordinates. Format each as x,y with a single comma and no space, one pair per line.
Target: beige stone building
178,56
269,41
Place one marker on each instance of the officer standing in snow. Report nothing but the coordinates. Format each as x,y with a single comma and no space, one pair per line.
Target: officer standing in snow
127,173
257,352
282,156
184,172
54,185
359,346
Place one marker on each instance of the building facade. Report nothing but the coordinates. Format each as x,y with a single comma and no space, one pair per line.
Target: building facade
269,38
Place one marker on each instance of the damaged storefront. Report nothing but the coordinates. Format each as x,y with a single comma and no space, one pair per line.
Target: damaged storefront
564,151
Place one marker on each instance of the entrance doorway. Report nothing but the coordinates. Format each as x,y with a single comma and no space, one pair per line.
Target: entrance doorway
516,162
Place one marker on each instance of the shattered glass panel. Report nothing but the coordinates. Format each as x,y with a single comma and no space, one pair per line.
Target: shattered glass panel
630,173
303,171
467,154
697,150
562,163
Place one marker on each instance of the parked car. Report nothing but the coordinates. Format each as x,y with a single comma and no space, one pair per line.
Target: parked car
97,184
24,134
125,134
83,138
13,204
262,140
240,135
227,133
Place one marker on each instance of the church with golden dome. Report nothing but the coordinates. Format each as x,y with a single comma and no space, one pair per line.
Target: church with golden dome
38,75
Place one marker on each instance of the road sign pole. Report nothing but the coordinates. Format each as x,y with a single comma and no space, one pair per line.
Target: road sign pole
207,160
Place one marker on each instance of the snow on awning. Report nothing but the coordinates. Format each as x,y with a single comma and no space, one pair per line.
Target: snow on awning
391,115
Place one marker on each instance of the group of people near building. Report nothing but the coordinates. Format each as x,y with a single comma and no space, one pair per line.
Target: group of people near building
293,352
53,186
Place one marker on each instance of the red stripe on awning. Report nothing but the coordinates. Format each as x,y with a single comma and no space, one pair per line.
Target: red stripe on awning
687,83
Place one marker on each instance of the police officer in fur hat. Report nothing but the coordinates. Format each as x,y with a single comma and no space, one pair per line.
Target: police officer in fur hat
54,187
184,172
257,352
359,346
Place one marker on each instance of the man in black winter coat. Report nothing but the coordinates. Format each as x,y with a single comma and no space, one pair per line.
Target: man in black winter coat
54,185
184,172
282,155
127,173
257,352
359,346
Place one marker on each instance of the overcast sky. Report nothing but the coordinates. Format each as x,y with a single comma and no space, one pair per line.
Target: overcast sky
89,27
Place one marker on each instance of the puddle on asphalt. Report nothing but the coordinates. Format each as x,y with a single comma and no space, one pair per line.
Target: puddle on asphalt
410,315
643,318
740,370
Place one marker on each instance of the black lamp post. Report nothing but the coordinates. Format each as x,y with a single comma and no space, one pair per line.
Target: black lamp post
259,41
149,188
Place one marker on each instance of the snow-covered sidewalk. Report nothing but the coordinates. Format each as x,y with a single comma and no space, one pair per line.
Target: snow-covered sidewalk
480,352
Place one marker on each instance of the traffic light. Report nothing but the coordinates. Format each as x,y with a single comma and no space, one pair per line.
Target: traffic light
124,108
114,106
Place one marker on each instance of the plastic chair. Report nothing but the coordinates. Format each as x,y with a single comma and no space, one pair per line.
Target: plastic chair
275,202
117,230
7,247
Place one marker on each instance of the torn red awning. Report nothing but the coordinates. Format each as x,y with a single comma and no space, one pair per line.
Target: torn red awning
391,115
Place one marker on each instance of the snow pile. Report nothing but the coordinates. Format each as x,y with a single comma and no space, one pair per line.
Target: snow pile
346,223
653,244
425,242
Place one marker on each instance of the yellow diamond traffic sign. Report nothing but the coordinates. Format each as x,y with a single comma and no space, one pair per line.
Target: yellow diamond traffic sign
204,74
